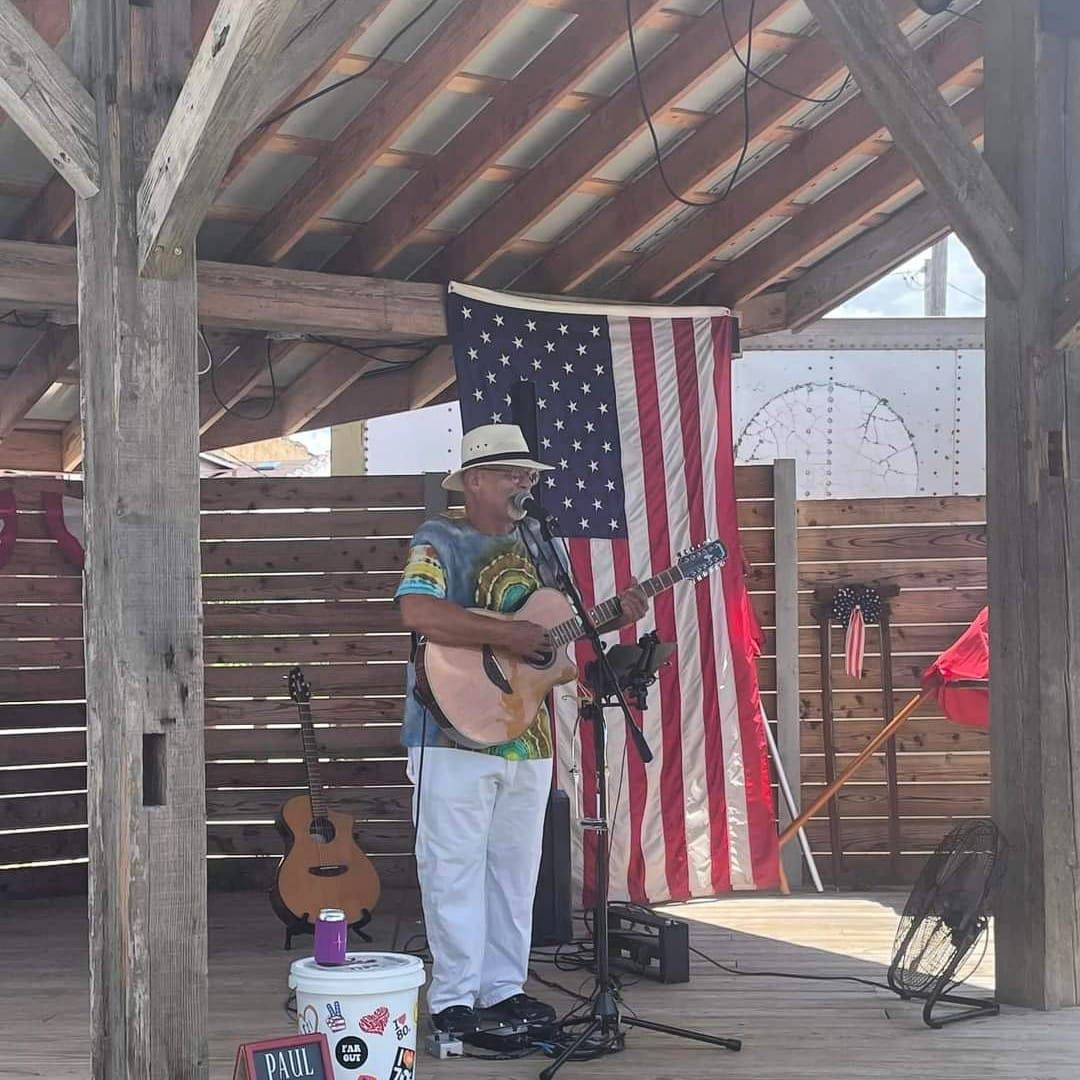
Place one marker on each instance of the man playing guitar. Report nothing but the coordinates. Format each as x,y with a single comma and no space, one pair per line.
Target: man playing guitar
480,813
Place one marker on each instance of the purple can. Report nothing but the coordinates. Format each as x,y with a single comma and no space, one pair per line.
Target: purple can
331,937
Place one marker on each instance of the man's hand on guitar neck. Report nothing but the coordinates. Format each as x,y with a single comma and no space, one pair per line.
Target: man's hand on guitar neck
634,605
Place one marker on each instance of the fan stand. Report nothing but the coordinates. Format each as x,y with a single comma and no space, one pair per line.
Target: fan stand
939,993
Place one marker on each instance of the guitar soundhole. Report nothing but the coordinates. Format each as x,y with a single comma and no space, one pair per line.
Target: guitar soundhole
546,662
321,830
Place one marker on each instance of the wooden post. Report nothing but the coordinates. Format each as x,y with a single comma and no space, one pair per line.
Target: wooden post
1033,417
786,560
825,645
143,615
888,705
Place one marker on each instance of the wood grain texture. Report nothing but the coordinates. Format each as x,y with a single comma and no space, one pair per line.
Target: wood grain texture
53,109
50,356
207,122
1033,400
138,341
896,82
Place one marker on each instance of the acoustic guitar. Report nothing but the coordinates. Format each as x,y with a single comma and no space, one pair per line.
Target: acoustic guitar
323,866
482,697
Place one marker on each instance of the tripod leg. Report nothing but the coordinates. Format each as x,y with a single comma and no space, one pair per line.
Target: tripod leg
667,1029
572,1049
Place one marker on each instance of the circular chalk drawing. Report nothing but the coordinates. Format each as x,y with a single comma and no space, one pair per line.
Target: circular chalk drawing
847,442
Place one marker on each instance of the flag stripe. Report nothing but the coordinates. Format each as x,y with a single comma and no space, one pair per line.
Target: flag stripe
671,793
708,752
649,878
742,642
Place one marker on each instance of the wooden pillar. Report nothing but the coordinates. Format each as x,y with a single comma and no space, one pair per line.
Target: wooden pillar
788,722
143,617
1033,452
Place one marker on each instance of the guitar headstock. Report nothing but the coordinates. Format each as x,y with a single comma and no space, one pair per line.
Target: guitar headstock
696,562
299,690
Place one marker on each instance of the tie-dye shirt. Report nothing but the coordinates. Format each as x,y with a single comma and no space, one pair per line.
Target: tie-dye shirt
451,560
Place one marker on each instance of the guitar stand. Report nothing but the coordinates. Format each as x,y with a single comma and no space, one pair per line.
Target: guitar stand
296,927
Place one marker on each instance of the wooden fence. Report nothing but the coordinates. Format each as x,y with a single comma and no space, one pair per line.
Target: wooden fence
934,549
294,571
302,571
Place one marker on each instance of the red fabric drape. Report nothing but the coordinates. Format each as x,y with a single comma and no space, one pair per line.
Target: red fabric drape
966,661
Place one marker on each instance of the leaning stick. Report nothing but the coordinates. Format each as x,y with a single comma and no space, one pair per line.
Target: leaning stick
882,736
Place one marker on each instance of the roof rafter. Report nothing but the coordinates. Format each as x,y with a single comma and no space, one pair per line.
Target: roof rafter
411,88
51,355
668,77
208,120
809,67
814,155
818,227
571,56
53,109
897,84
865,260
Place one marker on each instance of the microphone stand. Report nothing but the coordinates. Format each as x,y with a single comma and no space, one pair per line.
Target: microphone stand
605,1018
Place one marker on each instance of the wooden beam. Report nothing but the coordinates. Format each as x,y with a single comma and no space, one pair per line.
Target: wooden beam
806,70
818,228
207,122
429,377
864,260
30,451
50,18
818,152
50,355
1033,502
310,79
49,104
895,81
1067,314
666,79
517,108
71,446
49,217
412,87
231,378
142,582
42,277
325,381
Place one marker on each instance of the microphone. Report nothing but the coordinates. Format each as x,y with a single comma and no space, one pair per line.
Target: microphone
526,505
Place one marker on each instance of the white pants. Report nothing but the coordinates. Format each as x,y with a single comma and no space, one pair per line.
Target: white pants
480,829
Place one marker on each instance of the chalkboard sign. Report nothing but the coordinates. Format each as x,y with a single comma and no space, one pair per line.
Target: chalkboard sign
299,1057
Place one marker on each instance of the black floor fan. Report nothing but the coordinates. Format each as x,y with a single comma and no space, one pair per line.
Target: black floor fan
945,922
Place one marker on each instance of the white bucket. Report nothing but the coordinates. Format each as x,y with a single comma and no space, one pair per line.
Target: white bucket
367,1008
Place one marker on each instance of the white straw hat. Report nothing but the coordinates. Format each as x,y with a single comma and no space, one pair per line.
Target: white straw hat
492,444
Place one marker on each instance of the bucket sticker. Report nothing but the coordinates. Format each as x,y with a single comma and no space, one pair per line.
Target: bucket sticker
375,1022
403,1064
309,1020
334,1020
401,1027
351,1052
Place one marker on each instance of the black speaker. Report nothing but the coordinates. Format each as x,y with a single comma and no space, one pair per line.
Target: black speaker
553,922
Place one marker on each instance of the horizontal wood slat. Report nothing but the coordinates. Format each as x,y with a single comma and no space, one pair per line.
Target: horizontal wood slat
857,835
911,768
950,510
916,800
874,543
919,734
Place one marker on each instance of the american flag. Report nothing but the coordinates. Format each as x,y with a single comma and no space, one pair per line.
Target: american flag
634,412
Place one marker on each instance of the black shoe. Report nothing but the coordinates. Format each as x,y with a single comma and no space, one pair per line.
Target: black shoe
456,1020
521,1009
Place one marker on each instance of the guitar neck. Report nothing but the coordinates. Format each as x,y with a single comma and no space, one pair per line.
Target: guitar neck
311,762
572,629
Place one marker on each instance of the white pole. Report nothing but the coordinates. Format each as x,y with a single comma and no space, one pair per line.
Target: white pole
789,800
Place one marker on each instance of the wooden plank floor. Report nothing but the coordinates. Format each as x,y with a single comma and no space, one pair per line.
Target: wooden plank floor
790,1029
